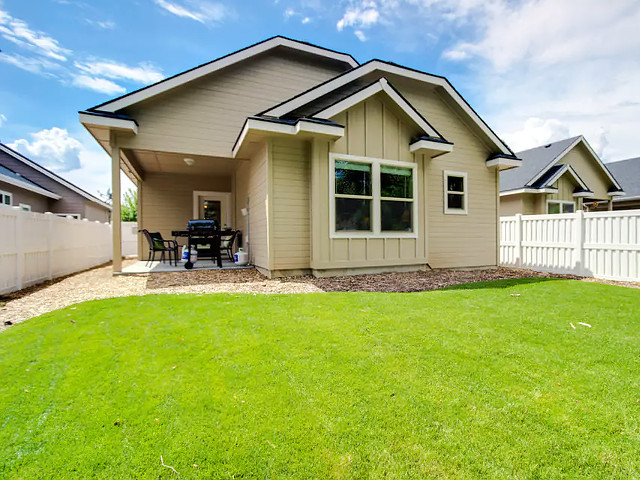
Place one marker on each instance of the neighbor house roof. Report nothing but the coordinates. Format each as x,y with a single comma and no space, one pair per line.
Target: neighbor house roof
53,176
219,63
13,178
541,164
628,171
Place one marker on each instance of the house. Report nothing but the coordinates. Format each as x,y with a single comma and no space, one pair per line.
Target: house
628,172
327,166
32,187
557,178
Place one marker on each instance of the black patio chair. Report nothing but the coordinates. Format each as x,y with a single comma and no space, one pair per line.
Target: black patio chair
226,244
159,244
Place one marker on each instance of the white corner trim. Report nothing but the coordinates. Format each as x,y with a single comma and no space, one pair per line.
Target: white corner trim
382,85
503,163
376,198
374,65
431,146
198,72
53,176
518,191
465,193
301,126
88,119
28,186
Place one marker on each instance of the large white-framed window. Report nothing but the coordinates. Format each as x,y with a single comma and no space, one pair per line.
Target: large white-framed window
456,193
372,197
560,206
6,198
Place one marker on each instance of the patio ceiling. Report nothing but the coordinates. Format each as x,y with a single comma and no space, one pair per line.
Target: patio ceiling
162,162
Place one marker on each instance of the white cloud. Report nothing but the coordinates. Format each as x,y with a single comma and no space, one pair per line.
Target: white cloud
364,15
288,13
305,20
144,73
37,65
18,32
104,25
98,84
3,119
52,148
536,132
202,11
360,34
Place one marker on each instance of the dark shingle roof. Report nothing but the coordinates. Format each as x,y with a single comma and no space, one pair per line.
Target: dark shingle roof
627,172
16,176
534,161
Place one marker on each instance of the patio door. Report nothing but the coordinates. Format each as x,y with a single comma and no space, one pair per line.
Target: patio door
213,206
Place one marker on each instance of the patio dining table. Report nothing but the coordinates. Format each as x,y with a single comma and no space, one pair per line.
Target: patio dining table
204,236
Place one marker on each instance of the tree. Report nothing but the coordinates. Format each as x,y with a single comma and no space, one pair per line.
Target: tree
130,206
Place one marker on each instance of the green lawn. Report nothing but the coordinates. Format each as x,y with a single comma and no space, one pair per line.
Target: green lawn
469,382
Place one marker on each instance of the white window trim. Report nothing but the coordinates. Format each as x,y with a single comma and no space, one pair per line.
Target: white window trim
65,215
376,221
560,202
465,193
25,206
8,194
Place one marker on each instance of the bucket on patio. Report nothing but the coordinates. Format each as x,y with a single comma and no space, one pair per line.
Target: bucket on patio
185,256
241,257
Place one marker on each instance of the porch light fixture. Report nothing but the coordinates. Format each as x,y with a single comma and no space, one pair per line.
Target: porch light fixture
189,161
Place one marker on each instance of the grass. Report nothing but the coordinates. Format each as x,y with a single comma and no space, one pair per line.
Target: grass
468,382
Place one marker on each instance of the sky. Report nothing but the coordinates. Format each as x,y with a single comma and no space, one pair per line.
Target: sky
536,70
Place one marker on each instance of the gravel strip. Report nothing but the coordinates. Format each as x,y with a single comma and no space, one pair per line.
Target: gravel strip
100,283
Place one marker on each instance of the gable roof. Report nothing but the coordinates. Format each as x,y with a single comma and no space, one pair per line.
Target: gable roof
219,63
381,85
628,171
53,176
536,163
13,178
294,103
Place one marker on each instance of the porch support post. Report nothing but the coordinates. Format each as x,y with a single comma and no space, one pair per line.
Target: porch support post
610,204
116,214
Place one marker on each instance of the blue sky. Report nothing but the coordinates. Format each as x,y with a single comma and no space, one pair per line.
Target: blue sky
536,70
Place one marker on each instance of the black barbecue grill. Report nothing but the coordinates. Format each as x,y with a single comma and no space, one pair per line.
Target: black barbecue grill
204,235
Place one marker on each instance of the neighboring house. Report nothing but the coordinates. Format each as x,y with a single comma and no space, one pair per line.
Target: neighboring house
32,187
628,172
339,168
557,178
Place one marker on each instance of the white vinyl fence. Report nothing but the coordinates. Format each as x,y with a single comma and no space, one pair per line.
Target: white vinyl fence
595,244
35,247
130,239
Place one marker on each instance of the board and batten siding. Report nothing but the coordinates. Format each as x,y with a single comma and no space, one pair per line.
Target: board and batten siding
589,171
373,129
290,212
205,116
566,187
457,240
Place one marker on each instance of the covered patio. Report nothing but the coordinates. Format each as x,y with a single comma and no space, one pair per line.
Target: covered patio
173,187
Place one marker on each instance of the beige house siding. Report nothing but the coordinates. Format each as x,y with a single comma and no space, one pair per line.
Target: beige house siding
167,199
290,174
566,187
39,203
205,116
457,240
373,130
258,207
589,171
511,205
95,213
